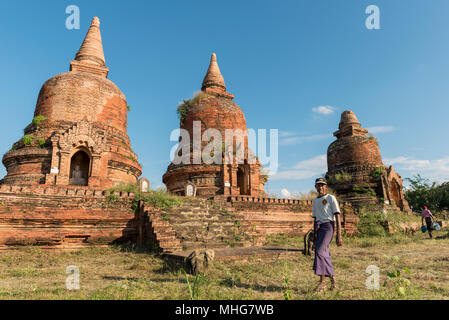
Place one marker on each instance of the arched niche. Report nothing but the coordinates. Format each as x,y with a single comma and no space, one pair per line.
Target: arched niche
243,179
80,164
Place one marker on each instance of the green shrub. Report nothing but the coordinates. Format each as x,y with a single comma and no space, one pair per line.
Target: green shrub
183,109
376,173
374,221
186,105
27,140
371,224
364,190
41,142
371,137
38,119
159,198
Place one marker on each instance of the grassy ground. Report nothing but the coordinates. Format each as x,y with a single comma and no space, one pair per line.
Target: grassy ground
117,273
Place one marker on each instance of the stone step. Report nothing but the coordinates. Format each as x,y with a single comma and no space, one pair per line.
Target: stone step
165,238
160,223
164,230
168,244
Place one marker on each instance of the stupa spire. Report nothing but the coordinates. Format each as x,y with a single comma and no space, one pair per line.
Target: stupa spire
90,56
349,126
213,78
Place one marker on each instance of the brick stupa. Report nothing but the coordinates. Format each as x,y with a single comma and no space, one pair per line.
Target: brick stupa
213,108
356,171
79,133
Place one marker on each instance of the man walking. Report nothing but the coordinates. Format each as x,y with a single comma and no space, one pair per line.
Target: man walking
326,214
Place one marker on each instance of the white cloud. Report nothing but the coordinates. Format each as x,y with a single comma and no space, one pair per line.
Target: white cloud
324,110
380,129
434,170
285,193
318,162
303,170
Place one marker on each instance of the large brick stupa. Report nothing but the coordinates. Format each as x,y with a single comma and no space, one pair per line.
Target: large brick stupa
213,108
356,171
79,132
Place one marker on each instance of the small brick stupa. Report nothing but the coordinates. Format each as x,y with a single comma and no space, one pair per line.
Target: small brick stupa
79,132
213,108
356,171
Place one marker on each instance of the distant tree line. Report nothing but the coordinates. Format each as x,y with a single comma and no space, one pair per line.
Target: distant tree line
423,193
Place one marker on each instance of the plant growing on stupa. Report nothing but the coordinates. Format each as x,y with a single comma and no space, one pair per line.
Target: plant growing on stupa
376,173
185,106
38,120
27,140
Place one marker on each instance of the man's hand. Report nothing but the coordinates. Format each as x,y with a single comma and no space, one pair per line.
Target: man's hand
339,241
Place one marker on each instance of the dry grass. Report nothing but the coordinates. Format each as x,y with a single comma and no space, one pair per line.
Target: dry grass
116,273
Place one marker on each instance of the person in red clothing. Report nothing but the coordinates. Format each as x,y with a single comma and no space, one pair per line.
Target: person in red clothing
427,215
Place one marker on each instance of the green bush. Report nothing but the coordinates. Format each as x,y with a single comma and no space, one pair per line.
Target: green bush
186,105
371,223
376,173
371,137
364,190
159,198
27,140
41,142
38,119
182,110
374,221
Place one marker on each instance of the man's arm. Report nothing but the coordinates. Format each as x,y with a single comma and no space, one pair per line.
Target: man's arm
338,222
337,215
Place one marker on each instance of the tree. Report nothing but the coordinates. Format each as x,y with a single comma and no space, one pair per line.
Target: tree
423,193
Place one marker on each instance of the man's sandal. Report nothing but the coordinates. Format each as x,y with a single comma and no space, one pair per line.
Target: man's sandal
321,287
334,286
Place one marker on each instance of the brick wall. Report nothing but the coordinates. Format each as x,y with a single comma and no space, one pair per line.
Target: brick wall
288,216
60,217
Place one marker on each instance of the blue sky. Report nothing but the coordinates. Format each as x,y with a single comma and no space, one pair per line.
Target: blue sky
283,60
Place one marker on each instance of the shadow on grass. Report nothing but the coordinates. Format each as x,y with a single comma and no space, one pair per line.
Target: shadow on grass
231,283
181,281
136,248
446,236
280,250
117,278
171,266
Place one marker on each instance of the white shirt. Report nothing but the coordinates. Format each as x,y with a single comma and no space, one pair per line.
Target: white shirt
324,208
